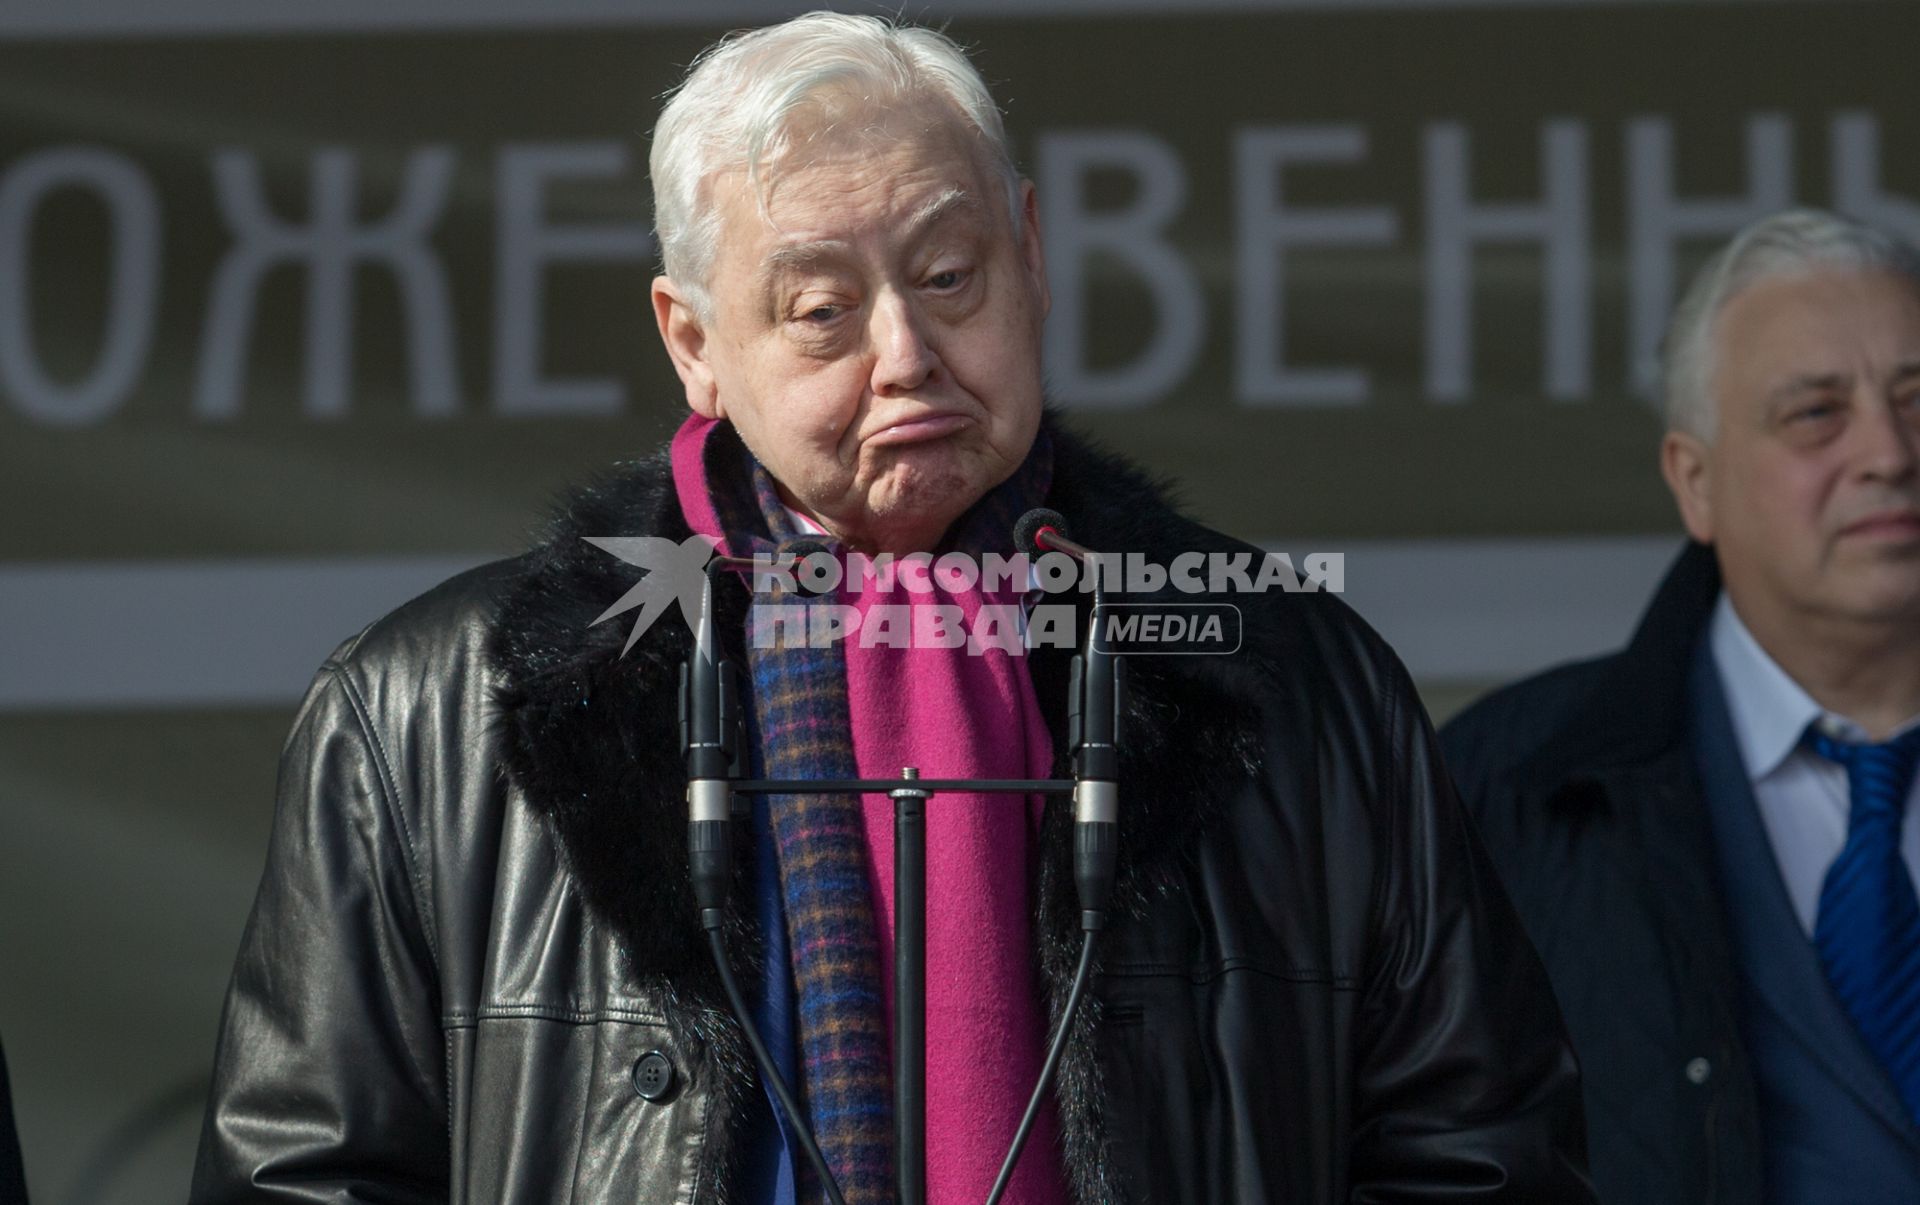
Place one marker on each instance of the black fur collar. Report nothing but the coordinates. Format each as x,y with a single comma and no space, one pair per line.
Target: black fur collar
591,738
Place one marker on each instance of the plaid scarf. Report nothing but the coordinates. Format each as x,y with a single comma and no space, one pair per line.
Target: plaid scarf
801,713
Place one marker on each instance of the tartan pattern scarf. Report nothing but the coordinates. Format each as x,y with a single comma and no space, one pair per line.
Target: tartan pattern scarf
800,705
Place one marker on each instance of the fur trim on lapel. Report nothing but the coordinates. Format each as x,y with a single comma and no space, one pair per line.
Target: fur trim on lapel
1189,744
592,739
593,742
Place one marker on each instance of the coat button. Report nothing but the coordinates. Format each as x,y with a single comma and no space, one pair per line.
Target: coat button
1698,1071
653,1076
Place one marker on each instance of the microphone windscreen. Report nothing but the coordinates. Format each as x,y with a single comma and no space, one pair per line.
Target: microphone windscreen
800,549
1027,531
806,547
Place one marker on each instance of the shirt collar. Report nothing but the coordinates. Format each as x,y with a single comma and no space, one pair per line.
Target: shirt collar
1770,711
803,522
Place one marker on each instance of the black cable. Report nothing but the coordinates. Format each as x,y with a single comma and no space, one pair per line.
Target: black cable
1046,1071
794,1116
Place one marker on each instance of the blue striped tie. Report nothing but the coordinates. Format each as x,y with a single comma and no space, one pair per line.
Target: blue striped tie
1868,931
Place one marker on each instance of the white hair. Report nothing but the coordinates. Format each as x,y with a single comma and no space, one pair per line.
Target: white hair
742,96
1794,242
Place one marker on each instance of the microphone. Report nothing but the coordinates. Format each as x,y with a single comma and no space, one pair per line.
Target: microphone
800,550
1093,722
1041,530
709,714
712,738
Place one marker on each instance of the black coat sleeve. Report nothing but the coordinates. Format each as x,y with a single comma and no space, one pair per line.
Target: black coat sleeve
329,1076
1467,1089
13,1175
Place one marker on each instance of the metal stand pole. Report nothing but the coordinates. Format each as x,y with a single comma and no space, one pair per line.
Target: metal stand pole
910,794
910,989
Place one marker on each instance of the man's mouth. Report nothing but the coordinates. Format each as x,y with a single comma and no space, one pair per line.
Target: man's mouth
1886,524
919,430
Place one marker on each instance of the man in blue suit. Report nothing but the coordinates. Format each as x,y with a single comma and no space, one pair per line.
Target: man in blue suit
1710,834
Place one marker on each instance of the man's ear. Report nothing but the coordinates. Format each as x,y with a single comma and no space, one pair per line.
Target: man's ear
1686,461
685,334
1032,254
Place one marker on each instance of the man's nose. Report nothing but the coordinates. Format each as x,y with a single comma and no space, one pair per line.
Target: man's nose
1891,435
903,354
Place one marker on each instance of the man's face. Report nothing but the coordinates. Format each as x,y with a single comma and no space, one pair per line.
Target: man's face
875,335
1809,491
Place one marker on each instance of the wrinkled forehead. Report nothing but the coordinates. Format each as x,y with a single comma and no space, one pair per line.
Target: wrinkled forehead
884,172
833,134
1828,329
1820,313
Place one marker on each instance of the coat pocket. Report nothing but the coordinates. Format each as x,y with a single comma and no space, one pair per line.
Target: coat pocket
554,1106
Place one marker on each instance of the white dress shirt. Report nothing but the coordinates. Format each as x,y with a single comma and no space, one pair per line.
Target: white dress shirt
1802,796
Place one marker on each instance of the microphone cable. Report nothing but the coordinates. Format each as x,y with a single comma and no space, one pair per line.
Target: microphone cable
1054,1051
795,1117
713,732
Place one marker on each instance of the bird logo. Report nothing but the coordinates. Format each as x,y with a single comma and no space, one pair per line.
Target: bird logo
673,571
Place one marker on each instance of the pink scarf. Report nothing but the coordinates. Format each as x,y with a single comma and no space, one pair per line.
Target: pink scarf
963,716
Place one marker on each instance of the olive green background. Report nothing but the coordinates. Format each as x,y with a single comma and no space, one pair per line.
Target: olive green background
130,840
154,480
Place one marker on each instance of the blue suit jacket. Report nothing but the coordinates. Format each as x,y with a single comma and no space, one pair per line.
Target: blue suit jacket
1832,1126
1597,788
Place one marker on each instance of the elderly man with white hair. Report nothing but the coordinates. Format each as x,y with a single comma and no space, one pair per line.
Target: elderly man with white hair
480,969
1709,833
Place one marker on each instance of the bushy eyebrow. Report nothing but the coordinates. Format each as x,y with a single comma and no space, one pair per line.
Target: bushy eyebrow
933,212
1809,382
1799,386
800,256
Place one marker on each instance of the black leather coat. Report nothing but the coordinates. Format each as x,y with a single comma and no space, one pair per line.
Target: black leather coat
13,1177
476,917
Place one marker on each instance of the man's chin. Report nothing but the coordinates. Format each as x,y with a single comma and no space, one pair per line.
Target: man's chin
909,498
927,483
1883,593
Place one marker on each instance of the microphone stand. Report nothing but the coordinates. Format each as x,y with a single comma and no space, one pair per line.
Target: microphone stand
910,989
712,725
